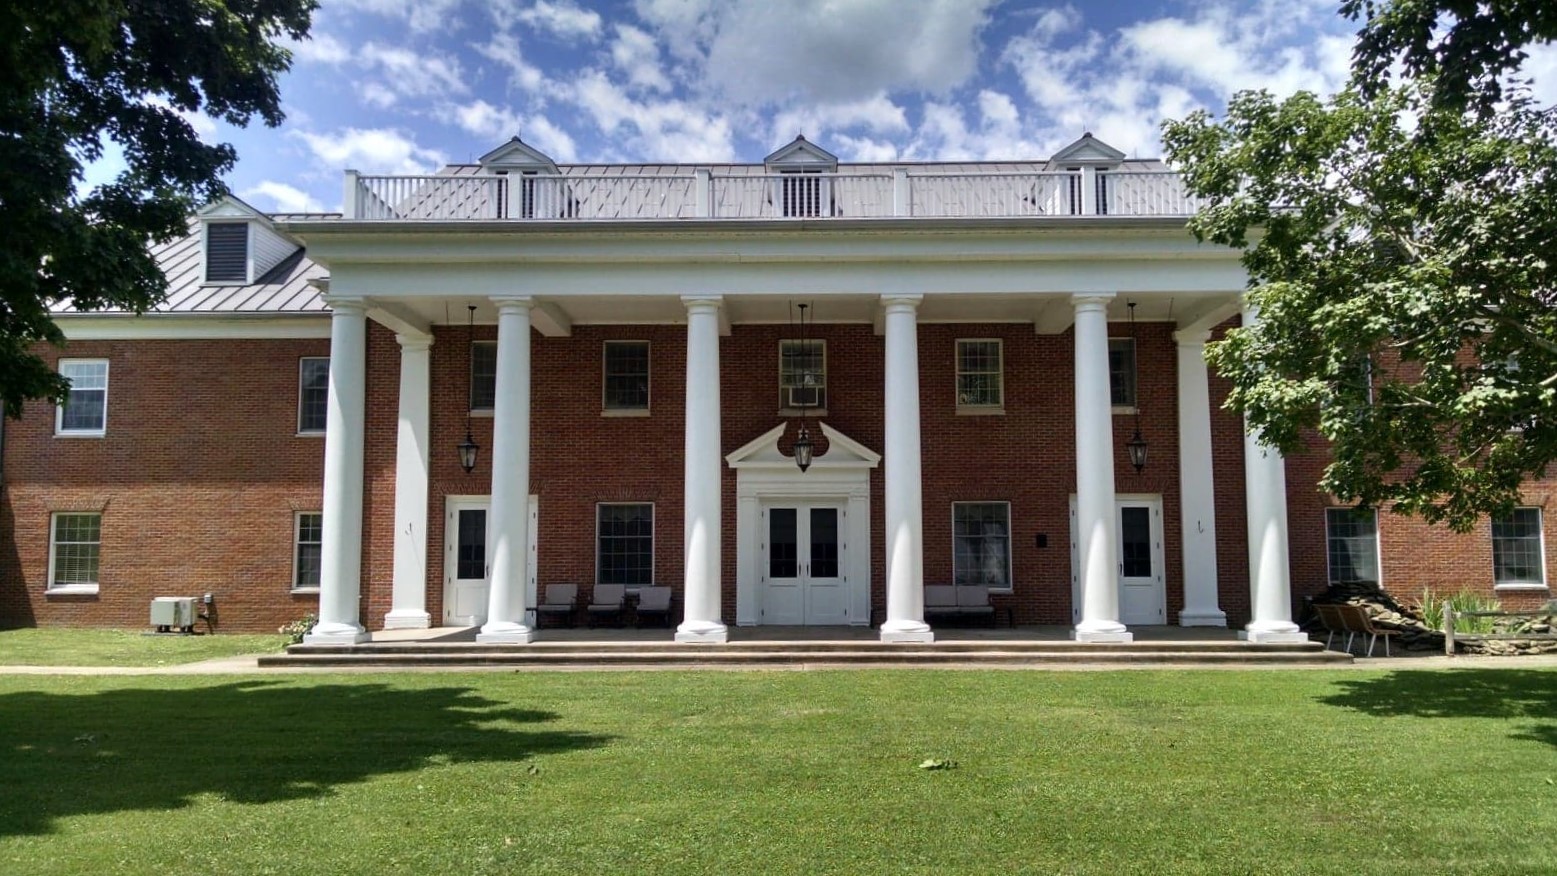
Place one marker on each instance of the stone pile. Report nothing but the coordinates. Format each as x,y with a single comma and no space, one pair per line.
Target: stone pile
1415,635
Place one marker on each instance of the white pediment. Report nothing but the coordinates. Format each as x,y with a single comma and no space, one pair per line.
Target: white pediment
801,153
517,155
842,452
229,208
1088,150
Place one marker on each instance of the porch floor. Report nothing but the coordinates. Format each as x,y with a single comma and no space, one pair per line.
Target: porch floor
1036,633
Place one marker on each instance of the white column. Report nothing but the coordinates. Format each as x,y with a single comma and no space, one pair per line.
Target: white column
340,573
1270,577
1197,500
508,519
1097,529
408,603
904,499
704,477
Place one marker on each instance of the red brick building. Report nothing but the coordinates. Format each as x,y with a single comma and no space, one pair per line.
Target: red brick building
980,344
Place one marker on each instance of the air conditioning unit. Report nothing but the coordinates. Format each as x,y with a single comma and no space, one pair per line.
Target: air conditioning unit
173,612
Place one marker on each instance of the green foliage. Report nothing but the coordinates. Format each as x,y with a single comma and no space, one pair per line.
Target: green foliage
294,631
1432,605
76,75
1400,256
45,646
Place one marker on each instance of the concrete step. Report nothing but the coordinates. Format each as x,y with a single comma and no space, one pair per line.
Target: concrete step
1026,646
587,655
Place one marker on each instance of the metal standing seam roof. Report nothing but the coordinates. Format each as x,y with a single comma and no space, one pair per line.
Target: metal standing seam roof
283,290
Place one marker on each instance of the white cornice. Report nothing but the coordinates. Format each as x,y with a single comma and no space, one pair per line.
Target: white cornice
182,327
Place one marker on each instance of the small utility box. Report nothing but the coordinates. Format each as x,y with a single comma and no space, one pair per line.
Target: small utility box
169,613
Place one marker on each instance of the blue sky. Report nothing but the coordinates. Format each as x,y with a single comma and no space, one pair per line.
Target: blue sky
388,86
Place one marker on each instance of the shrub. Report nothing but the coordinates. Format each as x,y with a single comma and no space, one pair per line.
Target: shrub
1431,610
296,630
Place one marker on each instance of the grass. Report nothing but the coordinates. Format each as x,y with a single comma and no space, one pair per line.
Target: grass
77,647
782,772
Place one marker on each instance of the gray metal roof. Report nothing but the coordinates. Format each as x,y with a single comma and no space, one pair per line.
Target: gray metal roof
283,290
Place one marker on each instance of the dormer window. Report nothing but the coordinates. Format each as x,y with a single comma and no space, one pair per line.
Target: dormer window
227,252
802,192
804,184
529,183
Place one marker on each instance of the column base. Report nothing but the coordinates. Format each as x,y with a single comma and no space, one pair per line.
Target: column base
407,620
1274,637
1211,618
1101,637
505,634
702,633
906,631
336,634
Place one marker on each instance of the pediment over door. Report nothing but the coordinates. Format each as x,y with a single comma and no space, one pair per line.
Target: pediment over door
843,452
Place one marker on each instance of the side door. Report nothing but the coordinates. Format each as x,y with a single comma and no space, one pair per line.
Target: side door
783,596
826,593
466,563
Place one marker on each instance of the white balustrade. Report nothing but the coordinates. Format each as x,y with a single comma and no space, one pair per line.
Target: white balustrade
1157,193
993,194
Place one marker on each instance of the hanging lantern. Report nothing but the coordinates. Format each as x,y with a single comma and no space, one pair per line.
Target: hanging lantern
468,448
803,448
1136,446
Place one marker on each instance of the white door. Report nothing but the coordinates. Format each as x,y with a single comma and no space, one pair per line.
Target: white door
466,563
803,579
1142,593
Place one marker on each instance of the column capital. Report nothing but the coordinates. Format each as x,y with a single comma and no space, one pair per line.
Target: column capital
414,343
512,303
1190,338
702,302
344,304
901,303
1091,301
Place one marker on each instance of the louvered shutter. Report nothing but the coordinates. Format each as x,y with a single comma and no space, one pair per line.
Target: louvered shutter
227,252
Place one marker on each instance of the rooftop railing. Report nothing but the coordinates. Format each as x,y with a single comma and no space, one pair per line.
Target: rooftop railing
702,194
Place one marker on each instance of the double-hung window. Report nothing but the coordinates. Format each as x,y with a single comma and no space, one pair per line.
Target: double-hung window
981,544
313,394
626,376
979,374
1121,372
307,550
483,375
1352,545
625,544
803,374
75,540
85,411
1518,555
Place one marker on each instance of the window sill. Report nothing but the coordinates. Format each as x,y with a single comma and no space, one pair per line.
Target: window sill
319,434
304,591
81,434
485,414
1126,410
981,410
814,413
625,412
72,590
1527,586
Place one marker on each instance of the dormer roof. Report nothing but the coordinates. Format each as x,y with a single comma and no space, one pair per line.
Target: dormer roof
517,155
801,154
1088,150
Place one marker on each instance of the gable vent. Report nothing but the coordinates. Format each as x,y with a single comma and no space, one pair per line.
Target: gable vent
227,252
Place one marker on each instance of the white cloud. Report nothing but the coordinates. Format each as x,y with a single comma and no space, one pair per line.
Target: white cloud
496,124
757,52
504,49
413,74
373,150
283,198
637,56
320,48
421,16
877,115
376,94
660,130
562,19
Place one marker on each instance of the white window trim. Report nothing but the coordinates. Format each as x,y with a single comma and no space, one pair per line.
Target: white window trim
301,432
59,410
1378,546
814,410
654,539
998,407
297,542
1135,351
1540,529
606,411
248,251
470,378
78,589
1010,537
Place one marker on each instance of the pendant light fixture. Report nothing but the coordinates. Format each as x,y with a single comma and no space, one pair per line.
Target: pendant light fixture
1136,446
803,447
469,448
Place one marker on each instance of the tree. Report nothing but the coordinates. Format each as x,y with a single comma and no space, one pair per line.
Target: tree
76,75
1401,243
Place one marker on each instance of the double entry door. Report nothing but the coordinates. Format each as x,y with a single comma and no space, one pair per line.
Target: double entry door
802,578
467,560
1138,528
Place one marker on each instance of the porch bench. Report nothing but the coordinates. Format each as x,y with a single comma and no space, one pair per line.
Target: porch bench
953,602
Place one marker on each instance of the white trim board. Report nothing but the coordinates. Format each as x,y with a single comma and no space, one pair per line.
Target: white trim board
188,328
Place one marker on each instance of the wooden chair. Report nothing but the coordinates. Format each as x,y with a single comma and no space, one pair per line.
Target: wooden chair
1333,624
607,602
560,600
653,602
1356,619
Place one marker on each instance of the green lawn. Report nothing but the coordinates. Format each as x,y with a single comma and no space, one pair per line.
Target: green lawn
1346,772
73,647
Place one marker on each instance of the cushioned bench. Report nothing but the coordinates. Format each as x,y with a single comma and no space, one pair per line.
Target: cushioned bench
951,602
